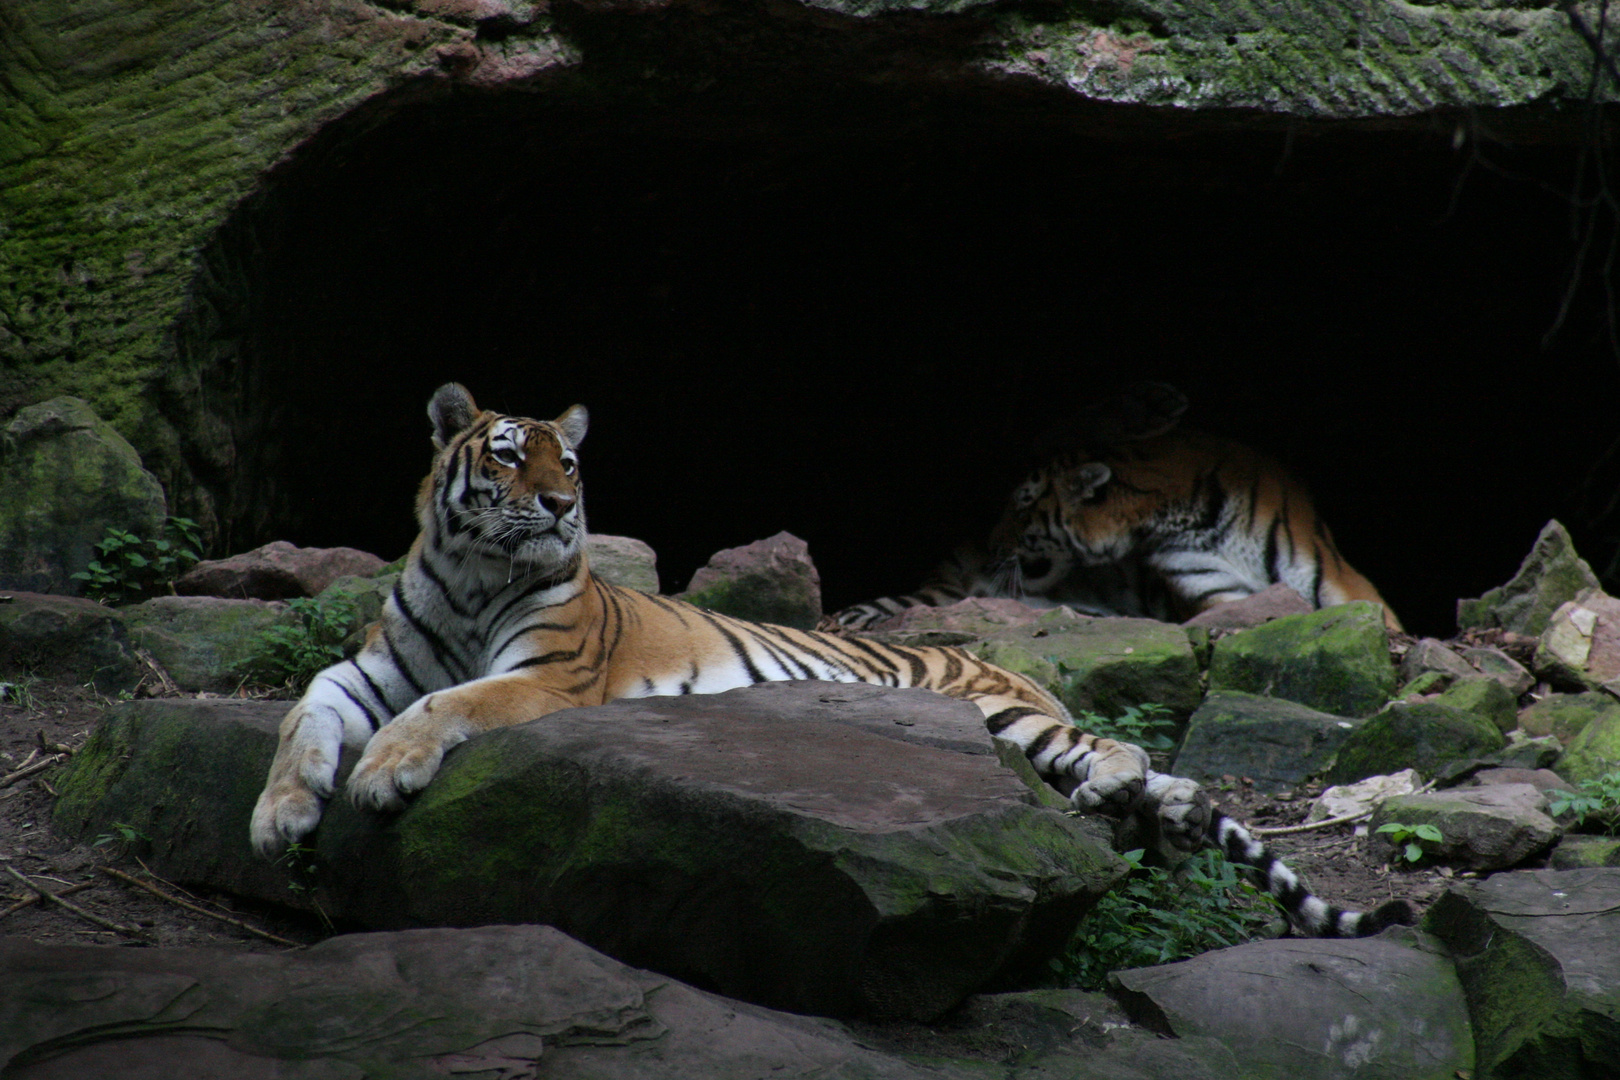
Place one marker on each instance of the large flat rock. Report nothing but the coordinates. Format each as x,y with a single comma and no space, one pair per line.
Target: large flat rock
1322,1009
811,846
514,1002
1538,953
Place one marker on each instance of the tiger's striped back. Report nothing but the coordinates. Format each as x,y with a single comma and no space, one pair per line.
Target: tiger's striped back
497,620
1211,518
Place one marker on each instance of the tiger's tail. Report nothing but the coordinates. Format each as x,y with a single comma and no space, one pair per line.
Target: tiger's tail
1306,913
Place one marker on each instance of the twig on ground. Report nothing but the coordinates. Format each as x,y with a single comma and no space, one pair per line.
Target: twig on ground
87,916
52,747
175,900
37,767
32,900
1312,826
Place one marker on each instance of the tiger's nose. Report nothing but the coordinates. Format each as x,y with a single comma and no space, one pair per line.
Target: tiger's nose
555,501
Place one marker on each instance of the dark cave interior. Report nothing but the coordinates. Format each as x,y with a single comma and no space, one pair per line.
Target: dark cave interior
853,322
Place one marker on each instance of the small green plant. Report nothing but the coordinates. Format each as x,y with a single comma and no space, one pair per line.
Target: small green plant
1156,916
128,568
20,693
1598,798
1410,838
303,866
125,836
292,654
1140,724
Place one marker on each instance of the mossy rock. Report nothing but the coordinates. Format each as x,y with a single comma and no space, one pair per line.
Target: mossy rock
367,595
205,642
1593,753
1485,697
1335,660
1278,744
1550,575
68,638
1101,666
66,477
1538,955
1424,736
1565,716
1576,852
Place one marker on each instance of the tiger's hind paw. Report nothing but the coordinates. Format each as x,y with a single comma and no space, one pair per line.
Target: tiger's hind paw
1182,808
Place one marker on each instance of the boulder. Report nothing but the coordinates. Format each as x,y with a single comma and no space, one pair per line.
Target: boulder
1578,852
1564,716
623,560
1275,743
1524,751
66,477
821,847
1501,667
1427,656
1580,649
1549,576
205,642
1592,753
1424,736
1342,800
1270,603
959,623
1324,1009
276,571
1483,828
1335,660
1538,955
1101,665
1485,697
366,597
1541,779
67,638
496,1001
770,580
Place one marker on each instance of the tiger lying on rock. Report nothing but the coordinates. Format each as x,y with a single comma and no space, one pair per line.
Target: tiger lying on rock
497,619
1138,517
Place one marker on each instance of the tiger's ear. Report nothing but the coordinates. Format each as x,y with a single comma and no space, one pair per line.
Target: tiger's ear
452,411
1086,481
572,424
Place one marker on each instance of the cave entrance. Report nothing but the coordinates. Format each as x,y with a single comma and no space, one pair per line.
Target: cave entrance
852,321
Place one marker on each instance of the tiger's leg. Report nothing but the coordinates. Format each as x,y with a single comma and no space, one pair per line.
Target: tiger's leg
1109,775
402,757
341,707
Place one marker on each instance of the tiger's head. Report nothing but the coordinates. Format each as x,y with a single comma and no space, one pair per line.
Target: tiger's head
505,488
1066,513
1109,471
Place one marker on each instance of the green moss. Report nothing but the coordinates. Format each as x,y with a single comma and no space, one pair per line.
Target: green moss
1335,660
1425,737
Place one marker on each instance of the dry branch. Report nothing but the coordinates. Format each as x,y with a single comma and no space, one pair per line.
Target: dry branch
87,916
32,900
175,900
29,770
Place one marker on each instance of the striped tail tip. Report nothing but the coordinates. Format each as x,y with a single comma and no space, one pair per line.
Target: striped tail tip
1394,913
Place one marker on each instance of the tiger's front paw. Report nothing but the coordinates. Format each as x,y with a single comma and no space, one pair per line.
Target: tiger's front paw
285,813
399,761
1114,794
1183,810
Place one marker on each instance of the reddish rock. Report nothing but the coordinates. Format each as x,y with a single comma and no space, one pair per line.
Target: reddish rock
770,580
1262,607
277,571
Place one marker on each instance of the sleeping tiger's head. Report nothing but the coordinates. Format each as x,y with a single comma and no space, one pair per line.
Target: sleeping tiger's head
503,487
1068,512
1105,475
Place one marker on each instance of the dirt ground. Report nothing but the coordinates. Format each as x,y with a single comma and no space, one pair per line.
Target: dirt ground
39,716
35,718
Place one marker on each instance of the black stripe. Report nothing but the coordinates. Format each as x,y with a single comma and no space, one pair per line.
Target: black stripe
375,689
440,648
528,629
400,666
426,566
1006,718
370,716
754,674
555,657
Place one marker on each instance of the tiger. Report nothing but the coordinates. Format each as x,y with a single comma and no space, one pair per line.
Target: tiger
497,619
1140,517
